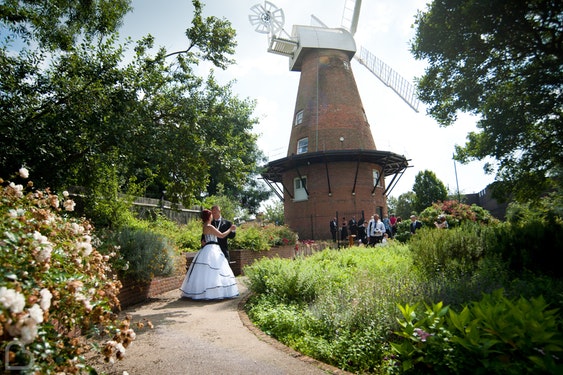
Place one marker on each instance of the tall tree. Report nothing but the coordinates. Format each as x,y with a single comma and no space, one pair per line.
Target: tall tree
404,205
502,61
75,112
428,189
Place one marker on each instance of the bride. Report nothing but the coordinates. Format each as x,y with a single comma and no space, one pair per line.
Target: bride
210,276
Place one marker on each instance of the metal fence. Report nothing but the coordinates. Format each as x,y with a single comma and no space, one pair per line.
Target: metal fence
149,207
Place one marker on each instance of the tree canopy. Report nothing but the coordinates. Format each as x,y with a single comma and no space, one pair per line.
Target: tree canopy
501,61
76,112
428,189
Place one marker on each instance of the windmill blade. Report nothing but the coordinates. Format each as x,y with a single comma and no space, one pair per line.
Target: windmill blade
351,15
389,77
267,18
315,19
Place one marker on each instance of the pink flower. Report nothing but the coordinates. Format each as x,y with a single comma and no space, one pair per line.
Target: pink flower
422,334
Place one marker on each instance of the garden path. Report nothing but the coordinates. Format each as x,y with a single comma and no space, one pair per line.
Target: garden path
203,337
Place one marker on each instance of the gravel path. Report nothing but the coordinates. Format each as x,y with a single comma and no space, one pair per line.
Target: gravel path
203,337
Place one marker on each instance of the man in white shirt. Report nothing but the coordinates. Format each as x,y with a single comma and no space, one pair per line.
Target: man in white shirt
379,229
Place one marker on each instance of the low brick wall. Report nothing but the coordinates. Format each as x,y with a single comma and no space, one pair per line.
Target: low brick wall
243,258
133,292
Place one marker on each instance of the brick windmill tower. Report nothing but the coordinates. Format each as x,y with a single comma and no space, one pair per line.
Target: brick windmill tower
332,168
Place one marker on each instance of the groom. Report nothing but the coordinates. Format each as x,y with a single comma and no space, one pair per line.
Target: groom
222,225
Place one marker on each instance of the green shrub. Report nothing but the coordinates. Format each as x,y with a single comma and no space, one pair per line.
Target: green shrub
145,254
185,237
294,281
403,231
495,335
531,245
250,238
188,237
340,307
451,252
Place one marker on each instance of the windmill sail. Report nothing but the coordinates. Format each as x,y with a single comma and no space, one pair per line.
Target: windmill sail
351,15
389,77
384,72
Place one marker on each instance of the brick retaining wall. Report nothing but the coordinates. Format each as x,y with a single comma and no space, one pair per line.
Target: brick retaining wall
132,292
243,258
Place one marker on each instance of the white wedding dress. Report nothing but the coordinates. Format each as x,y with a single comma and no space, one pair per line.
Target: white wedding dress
209,276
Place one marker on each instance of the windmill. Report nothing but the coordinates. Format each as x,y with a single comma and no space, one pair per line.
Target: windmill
332,165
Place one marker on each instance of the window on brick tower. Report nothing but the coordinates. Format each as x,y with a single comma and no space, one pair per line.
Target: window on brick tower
299,117
376,179
302,145
300,184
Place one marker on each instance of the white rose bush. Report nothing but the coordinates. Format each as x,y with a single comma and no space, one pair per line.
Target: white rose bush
58,294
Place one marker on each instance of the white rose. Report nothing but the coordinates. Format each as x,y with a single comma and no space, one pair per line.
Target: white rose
23,172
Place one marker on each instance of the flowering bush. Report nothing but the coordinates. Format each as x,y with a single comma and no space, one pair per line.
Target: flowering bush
55,292
456,213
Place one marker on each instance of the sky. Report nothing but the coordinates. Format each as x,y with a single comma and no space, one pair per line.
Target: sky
385,28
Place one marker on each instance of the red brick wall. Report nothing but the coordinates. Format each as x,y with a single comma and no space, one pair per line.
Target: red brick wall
135,292
242,258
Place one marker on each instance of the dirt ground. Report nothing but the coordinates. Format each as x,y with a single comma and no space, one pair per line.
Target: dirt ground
204,337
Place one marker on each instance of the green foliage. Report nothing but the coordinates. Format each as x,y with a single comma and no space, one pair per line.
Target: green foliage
149,122
527,246
251,238
334,306
106,206
427,189
452,252
427,345
341,306
55,25
497,61
227,205
145,254
279,235
188,237
455,264
403,231
495,335
274,213
547,209
288,282
260,238
405,205
57,292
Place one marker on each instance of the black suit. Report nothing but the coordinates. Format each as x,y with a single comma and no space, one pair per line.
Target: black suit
333,229
222,225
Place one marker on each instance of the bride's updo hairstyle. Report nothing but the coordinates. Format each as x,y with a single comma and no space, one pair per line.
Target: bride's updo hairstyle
205,215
